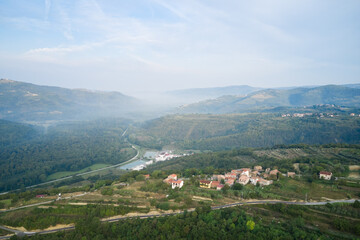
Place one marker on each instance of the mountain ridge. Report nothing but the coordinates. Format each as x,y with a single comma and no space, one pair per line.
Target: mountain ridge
272,98
26,101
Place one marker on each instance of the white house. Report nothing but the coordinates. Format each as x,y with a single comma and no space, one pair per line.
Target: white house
177,184
246,171
325,175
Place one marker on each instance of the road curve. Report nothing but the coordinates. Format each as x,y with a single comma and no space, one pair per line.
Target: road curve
85,173
180,212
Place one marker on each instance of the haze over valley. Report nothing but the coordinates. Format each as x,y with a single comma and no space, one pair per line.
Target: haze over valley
154,119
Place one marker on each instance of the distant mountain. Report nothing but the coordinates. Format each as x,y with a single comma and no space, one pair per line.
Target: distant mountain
272,98
198,94
29,102
355,85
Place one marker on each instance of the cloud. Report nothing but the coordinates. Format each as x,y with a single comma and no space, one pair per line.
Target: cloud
65,21
190,41
47,8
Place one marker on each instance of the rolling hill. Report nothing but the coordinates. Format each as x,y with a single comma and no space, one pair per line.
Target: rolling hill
272,98
228,131
199,94
29,102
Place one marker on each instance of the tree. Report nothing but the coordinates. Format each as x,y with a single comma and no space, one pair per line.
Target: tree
225,188
237,186
140,177
250,225
356,204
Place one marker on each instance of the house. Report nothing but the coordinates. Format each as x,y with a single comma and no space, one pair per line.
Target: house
244,180
219,187
258,168
205,184
246,171
230,181
267,170
147,176
254,173
172,176
254,180
231,175
263,182
291,174
218,177
214,184
237,171
177,183
274,172
265,175
325,175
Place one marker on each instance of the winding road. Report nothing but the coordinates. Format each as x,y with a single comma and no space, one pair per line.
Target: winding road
85,173
179,212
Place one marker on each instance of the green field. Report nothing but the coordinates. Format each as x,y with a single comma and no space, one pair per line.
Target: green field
69,173
6,202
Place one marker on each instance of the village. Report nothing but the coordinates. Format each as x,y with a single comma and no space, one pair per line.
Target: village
243,176
158,157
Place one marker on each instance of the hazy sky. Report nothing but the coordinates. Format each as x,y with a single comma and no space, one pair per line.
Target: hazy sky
140,45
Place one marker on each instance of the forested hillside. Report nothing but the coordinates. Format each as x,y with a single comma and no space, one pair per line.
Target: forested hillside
220,132
68,147
12,133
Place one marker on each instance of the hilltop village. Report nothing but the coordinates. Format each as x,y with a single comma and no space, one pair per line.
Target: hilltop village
243,176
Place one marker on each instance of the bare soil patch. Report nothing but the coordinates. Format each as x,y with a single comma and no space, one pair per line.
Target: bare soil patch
354,167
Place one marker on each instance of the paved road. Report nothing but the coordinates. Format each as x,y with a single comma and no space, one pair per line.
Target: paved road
85,173
180,212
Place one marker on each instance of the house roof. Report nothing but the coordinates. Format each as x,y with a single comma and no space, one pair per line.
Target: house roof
274,172
176,181
262,180
243,178
205,181
325,173
215,183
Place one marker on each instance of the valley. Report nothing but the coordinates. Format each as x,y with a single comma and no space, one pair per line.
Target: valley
61,176
179,120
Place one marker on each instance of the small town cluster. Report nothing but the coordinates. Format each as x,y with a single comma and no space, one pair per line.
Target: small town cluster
162,156
242,176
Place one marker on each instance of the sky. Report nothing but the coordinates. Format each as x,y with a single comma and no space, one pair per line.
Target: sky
138,46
